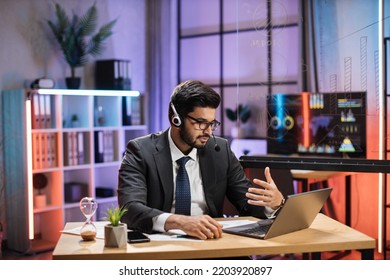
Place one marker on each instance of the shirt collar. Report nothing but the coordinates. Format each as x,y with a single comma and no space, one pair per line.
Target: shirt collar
176,153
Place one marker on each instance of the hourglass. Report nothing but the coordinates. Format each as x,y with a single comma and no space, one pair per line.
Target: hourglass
88,206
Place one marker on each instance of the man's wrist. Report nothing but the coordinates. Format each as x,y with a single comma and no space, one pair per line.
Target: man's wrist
281,203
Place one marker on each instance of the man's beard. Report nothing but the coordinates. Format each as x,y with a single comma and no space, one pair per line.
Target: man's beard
187,138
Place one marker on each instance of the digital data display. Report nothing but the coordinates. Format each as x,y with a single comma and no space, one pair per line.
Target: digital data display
320,124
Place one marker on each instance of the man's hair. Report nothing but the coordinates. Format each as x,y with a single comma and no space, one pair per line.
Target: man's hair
190,94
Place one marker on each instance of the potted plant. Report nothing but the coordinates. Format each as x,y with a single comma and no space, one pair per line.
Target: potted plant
77,39
74,120
242,113
39,183
115,233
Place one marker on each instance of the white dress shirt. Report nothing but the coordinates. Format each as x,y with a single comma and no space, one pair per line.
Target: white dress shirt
198,201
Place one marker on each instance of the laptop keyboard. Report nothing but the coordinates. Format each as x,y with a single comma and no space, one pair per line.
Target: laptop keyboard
257,230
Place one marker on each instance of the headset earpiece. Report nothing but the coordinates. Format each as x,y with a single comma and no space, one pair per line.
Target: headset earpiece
176,120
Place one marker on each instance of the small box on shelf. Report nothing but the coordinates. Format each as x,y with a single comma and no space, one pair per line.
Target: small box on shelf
104,192
74,191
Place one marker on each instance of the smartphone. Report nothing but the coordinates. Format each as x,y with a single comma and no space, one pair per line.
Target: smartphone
136,237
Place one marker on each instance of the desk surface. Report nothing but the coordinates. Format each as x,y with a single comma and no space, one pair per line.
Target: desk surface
317,175
325,234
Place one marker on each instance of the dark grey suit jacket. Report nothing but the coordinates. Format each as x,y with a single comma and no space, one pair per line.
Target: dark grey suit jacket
146,180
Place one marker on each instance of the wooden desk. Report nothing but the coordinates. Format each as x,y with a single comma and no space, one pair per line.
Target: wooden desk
317,175
325,234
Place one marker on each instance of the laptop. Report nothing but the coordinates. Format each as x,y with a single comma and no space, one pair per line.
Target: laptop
298,212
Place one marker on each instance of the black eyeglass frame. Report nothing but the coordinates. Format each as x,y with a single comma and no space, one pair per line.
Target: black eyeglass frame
214,124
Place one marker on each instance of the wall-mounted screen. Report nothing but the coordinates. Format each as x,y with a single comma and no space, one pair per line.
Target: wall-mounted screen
317,124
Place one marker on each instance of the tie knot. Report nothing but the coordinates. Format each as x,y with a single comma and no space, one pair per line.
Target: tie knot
182,161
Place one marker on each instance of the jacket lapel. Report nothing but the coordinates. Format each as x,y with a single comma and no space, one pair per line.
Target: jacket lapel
206,162
163,162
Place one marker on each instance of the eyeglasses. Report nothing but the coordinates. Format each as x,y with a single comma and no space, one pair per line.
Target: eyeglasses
203,125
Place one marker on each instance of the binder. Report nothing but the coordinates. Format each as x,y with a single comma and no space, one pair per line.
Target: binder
69,149
108,146
105,146
74,148
113,74
80,148
111,146
136,111
42,117
36,150
48,148
35,112
99,148
53,149
43,151
126,110
48,118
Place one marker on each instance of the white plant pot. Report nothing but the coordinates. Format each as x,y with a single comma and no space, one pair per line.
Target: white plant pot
115,236
40,201
234,132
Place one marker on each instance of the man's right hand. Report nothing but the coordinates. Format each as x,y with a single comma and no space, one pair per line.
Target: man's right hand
202,227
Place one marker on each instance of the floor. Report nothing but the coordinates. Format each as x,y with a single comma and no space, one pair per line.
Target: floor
8,255
353,255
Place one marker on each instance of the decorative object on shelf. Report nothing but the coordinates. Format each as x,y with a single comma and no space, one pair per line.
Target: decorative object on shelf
75,191
42,83
242,113
88,206
39,183
99,116
115,233
104,192
75,120
77,38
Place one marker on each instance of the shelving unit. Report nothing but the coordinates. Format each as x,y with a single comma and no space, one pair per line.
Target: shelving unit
386,205
66,153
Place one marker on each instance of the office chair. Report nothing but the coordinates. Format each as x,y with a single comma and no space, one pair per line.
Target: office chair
284,180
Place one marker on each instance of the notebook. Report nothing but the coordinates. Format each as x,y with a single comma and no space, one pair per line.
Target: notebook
298,212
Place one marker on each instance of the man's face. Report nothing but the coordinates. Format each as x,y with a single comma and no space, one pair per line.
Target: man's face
191,133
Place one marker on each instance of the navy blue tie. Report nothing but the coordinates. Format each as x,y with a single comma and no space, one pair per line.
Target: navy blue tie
183,191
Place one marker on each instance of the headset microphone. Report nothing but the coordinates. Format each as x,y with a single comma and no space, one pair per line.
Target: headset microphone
216,147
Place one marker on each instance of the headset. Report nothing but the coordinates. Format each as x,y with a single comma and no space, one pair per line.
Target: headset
176,120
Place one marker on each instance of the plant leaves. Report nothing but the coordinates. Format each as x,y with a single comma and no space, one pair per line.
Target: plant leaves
115,214
88,22
231,115
76,37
